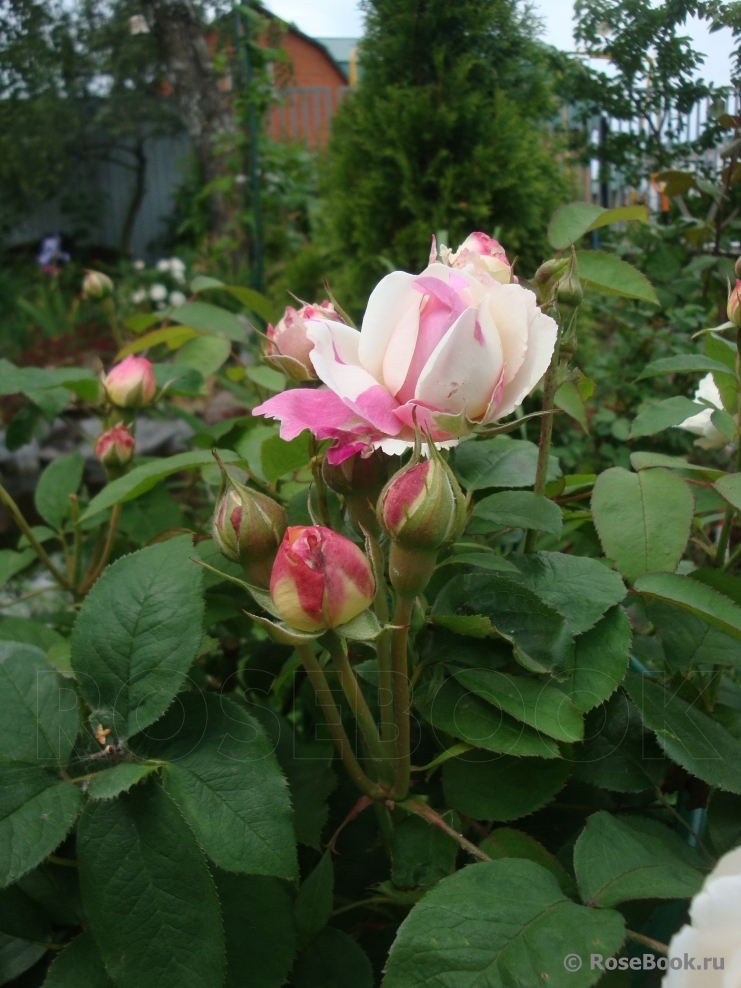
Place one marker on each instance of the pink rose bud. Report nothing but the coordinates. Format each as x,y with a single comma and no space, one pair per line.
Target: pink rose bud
248,527
96,285
115,448
420,508
289,339
131,383
484,254
734,305
320,579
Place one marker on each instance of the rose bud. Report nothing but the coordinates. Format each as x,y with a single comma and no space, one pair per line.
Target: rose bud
115,449
360,479
734,305
569,289
288,343
737,267
484,254
420,508
131,383
320,579
96,285
248,527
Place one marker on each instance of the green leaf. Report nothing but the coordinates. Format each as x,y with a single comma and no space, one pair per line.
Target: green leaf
688,736
504,923
142,320
532,701
601,656
267,378
220,770
568,399
688,640
619,754
60,479
120,778
21,917
642,519
333,960
17,956
205,354
729,488
663,415
253,301
28,632
695,597
279,457
259,929
724,423
609,273
499,462
538,632
36,814
579,588
504,842
682,363
79,964
56,889
179,380
617,860
12,563
645,461
572,221
149,899
504,788
23,380
471,625
38,710
463,715
172,336
143,478
210,319
202,282
422,855
516,509
483,560
138,631
314,901
724,821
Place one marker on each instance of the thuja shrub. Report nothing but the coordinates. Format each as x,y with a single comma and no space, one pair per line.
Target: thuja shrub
360,688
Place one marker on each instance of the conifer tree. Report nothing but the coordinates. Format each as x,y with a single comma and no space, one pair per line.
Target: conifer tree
445,131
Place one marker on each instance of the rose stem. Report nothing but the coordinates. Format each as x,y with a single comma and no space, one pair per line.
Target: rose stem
107,549
399,639
428,814
383,647
21,522
354,695
334,722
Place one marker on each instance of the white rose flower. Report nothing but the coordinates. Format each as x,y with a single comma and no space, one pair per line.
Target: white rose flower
177,299
163,265
177,269
158,292
139,265
714,932
701,424
139,296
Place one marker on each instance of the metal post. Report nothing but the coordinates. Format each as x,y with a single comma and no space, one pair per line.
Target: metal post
244,53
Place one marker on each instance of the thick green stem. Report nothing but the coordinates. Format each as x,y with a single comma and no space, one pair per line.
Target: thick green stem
21,522
383,650
334,722
546,434
74,508
354,696
399,639
660,948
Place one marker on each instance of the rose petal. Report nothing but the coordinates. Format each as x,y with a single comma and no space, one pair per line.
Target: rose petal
541,339
388,301
306,408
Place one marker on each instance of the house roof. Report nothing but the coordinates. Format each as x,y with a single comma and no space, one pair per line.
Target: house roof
341,64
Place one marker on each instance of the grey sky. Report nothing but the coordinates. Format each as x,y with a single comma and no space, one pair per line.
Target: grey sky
342,18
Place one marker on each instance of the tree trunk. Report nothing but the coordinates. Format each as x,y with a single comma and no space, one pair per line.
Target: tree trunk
137,196
205,110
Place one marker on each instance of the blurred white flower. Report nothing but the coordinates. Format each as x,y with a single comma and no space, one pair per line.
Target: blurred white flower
177,299
139,265
138,24
714,931
158,292
139,296
177,269
701,424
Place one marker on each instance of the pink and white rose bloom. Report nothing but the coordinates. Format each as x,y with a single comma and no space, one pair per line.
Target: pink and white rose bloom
289,339
451,348
320,579
483,254
701,424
